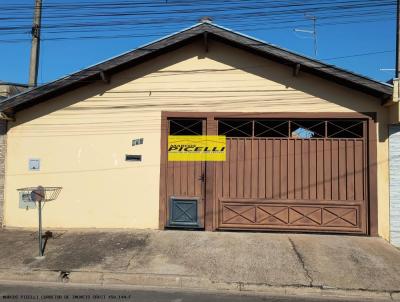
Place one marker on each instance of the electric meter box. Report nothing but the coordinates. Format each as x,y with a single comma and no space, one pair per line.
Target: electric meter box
25,201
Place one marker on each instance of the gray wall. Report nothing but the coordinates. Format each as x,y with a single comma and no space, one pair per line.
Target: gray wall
3,148
394,165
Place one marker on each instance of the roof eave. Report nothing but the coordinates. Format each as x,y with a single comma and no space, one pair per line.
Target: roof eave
129,59
330,72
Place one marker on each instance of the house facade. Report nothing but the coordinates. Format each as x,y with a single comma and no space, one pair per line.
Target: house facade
307,144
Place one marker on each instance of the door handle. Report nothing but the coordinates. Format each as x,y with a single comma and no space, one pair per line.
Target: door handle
202,177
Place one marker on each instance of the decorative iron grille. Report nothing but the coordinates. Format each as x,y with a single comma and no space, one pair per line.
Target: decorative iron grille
300,129
186,127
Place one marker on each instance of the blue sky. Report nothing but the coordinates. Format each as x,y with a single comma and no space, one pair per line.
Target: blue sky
79,34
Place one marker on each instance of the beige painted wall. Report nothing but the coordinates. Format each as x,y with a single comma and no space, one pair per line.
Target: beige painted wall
82,137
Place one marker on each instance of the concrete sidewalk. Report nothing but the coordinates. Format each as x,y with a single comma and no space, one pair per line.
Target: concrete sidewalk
284,263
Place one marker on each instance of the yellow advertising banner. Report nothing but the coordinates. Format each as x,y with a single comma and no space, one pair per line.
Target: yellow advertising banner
196,148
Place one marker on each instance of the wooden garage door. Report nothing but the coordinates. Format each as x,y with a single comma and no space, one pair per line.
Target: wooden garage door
307,175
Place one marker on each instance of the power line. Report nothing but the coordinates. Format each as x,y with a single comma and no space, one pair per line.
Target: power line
255,28
89,20
258,13
358,55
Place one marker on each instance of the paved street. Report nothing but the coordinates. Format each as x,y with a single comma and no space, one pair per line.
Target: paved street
49,292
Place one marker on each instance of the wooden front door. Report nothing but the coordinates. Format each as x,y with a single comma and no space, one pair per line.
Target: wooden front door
185,180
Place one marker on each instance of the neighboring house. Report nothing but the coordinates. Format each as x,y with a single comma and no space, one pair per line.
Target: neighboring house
307,142
394,162
7,90
10,89
394,168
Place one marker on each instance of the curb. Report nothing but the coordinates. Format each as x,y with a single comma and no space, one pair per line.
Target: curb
185,282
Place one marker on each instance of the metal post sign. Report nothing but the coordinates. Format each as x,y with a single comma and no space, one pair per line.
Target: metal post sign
196,148
40,195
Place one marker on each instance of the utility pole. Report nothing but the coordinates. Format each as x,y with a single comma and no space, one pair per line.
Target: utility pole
35,49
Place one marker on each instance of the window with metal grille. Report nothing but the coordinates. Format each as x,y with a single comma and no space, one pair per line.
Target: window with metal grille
186,127
345,128
235,128
271,128
299,129
307,128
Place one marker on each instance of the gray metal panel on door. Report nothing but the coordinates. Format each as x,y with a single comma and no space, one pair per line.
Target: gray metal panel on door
183,212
